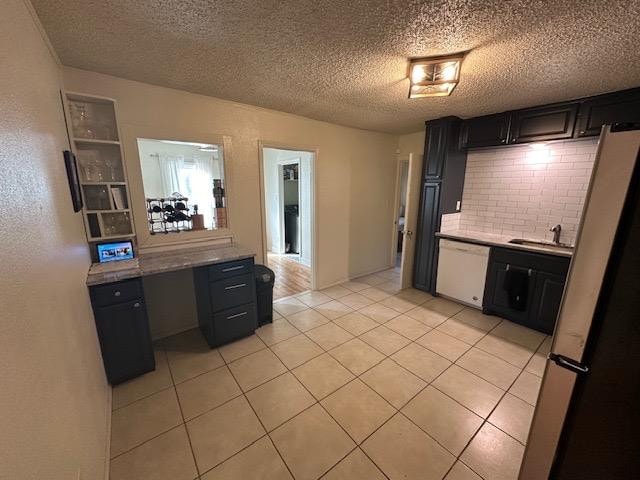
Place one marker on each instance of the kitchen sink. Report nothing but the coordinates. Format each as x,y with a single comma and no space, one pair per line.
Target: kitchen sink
541,243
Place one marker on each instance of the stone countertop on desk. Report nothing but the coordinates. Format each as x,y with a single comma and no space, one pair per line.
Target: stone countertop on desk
499,240
164,261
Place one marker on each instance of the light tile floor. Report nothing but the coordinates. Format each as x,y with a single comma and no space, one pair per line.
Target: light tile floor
359,381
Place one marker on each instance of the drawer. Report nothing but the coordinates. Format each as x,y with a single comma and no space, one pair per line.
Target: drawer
233,291
235,323
117,292
230,269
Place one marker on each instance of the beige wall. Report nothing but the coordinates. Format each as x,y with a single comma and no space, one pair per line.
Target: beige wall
411,143
354,170
54,407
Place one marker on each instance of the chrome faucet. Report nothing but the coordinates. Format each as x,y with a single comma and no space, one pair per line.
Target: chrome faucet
556,233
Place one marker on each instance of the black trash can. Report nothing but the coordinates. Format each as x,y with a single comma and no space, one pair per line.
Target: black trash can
265,279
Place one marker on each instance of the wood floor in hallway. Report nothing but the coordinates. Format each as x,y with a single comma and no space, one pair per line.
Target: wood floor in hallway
292,277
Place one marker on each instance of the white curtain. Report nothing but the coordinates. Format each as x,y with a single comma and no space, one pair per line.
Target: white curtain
170,166
192,176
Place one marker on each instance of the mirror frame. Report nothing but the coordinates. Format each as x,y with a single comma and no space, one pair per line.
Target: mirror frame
131,134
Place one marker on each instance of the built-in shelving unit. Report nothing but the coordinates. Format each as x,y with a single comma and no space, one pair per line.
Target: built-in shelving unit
95,140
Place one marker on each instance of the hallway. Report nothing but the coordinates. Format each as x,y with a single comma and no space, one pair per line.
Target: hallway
292,277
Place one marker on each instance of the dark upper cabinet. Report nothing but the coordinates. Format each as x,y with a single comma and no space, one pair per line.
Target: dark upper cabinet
445,161
578,118
487,131
606,109
435,146
428,224
555,122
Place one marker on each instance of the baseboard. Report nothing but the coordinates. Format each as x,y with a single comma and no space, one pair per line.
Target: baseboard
349,279
107,460
174,331
377,270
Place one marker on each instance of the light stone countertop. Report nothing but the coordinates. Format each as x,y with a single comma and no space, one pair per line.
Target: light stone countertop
499,240
167,261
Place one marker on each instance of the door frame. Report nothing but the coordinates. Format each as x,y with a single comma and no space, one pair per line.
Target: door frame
400,159
315,151
281,205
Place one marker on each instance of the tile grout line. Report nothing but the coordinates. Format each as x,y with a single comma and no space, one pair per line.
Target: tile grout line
356,376
244,394
184,422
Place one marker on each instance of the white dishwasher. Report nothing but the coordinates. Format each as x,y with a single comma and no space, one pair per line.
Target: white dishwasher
462,270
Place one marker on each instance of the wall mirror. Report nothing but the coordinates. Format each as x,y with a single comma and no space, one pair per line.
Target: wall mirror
184,185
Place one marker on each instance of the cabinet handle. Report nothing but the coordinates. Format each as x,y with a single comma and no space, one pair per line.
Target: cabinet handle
116,293
136,305
508,268
236,315
237,285
231,269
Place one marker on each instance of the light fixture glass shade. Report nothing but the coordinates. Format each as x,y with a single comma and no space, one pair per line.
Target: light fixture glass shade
434,77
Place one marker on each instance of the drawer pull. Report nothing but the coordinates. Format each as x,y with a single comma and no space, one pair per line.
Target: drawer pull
136,305
237,315
231,269
116,293
237,285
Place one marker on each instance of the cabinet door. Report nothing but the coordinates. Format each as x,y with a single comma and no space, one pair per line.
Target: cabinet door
487,131
496,299
425,263
547,298
546,123
435,146
125,340
607,109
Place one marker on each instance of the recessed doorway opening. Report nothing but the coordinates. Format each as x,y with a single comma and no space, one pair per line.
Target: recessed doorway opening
287,182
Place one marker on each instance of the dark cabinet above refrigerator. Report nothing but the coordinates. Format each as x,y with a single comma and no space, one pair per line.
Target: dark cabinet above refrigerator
560,121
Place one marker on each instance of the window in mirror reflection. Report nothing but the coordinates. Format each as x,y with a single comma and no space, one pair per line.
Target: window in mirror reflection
183,185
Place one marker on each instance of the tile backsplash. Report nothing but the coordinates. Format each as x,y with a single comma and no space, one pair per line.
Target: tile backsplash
450,221
524,191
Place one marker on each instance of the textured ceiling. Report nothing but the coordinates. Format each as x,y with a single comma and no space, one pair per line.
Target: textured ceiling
346,61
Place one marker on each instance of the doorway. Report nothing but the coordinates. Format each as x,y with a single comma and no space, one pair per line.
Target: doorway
405,217
288,218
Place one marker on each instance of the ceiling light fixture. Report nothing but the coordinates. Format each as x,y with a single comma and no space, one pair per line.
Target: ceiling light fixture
434,76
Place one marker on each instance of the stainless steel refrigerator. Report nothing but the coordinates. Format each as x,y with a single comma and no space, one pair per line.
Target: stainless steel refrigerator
587,420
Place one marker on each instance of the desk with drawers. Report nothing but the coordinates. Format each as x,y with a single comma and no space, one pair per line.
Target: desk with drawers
225,299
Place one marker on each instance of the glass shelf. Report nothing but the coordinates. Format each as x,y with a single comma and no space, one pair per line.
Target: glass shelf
100,163
116,223
96,197
93,129
93,120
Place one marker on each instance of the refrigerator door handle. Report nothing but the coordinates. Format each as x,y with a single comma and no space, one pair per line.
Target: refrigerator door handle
568,363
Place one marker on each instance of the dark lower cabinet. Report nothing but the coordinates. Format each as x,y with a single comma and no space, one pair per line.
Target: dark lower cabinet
546,301
425,268
539,281
226,301
123,330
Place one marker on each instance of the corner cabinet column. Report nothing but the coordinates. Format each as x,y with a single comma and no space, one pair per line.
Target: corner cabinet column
441,193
